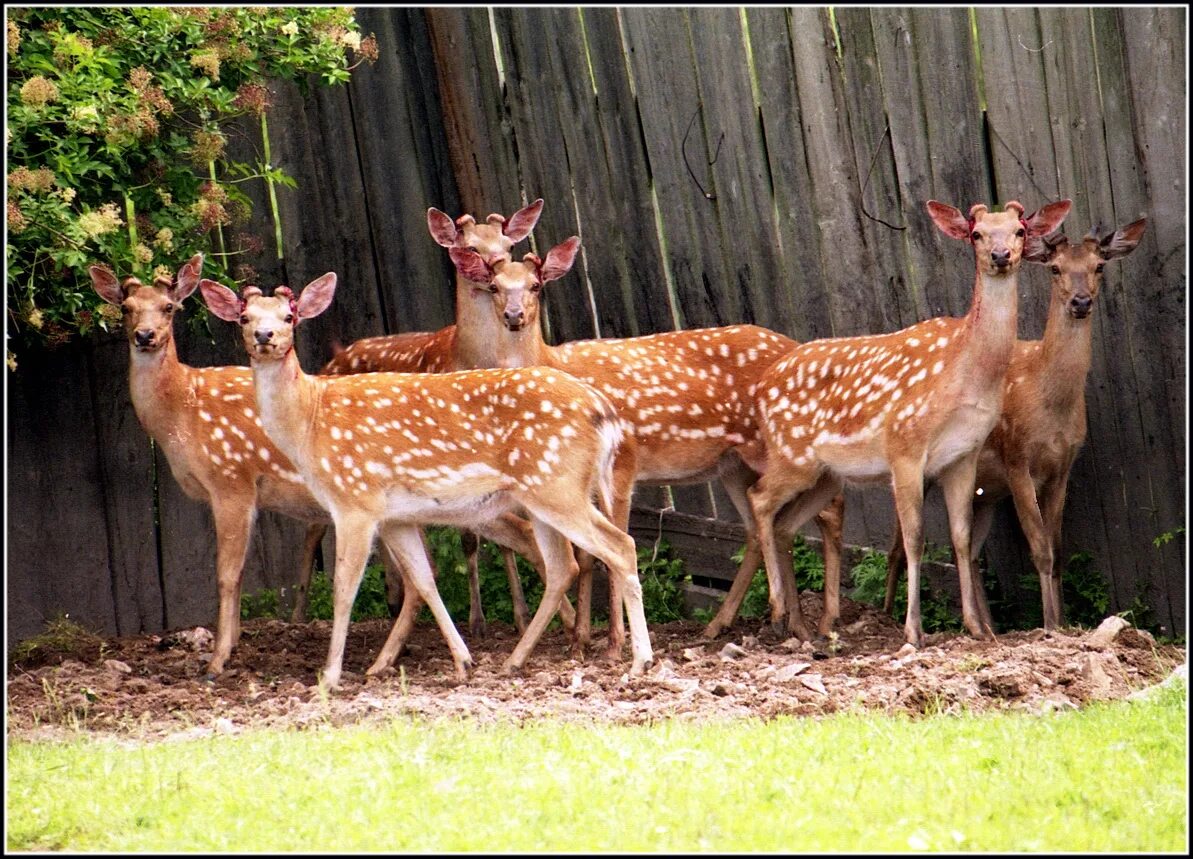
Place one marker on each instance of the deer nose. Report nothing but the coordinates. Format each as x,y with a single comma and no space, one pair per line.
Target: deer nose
1000,257
1081,305
514,319
144,338
263,337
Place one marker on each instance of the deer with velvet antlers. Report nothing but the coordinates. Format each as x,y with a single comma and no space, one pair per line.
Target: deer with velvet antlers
1030,452
387,452
465,345
914,404
684,398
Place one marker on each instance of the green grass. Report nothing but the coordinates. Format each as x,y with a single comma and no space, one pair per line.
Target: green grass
1108,778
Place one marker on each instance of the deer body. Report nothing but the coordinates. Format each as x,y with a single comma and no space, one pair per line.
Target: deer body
913,404
1042,426
684,398
388,452
466,345
205,421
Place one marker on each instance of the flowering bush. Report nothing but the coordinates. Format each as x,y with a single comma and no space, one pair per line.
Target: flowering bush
116,142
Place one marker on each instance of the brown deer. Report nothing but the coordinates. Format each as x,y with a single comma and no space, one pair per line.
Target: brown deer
1031,449
388,452
903,406
205,421
467,345
684,396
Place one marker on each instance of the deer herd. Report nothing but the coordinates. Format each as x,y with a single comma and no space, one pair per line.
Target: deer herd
484,426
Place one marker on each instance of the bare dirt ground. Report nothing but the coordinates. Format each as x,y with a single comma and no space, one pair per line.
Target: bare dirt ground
151,686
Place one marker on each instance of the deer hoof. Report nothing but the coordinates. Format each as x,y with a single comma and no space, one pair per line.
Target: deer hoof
510,669
712,630
637,669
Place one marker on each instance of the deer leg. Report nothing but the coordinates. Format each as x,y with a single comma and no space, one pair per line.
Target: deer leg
623,490
395,577
406,543
476,615
233,526
400,630
1023,492
582,636
831,521
957,482
561,570
820,500
1053,496
737,482
907,480
354,536
514,532
314,536
521,613
983,519
896,560
767,497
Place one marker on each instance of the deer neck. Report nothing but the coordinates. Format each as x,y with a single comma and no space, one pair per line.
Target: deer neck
477,329
157,383
1065,356
287,399
990,330
523,348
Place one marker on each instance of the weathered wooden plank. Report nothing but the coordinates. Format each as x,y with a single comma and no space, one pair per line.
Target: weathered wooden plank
397,127
875,165
479,137
524,37
749,236
661,62
624,223
126,486
59,557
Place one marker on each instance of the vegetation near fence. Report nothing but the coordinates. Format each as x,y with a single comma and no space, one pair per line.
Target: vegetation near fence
762,165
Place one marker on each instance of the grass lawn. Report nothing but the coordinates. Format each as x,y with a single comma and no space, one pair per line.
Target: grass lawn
1109,778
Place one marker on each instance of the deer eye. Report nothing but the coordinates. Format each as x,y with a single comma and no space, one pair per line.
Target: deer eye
1056,269
169,308
493,288
1020,232
1099,268
289,318
244,320
975,235
535,287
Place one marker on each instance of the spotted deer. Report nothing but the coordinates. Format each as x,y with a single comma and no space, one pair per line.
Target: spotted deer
388,452
684,398
903,406
205,421
1031,449
466,345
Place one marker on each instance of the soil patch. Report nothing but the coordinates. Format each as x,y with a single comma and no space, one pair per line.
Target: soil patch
151,686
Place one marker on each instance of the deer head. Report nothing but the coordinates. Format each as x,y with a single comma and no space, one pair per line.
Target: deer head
998,237
515,286
267,323
148,310
1077,269
492,239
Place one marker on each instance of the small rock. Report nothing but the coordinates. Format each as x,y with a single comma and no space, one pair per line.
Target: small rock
1107,631
665,668
1140,639
225,726
117,666
813,682
856,627
693,654
71,665
1181,672
1056,703
578,681
749,641
789,672
199,638
136,684
807,647
731,652
906,650
792,644
721,689
1095,674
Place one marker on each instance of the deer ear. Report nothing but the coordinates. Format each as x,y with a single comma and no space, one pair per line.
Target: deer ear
443,228
188,279
106,285
220,300
559,259
1047,219
1041,250
470,264
950,220
1123,240
316,296
522,222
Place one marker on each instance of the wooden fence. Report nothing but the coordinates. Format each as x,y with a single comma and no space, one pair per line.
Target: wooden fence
764,165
